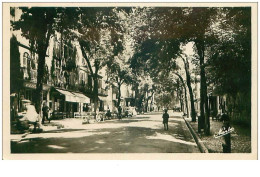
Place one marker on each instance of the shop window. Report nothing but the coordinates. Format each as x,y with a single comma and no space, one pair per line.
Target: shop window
85,107
28,95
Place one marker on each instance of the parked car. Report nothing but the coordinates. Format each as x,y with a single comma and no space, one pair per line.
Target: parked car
130,112
127,112
134,112
177,109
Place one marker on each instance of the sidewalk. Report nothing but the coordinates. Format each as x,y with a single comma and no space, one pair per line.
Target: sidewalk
67,123
240,138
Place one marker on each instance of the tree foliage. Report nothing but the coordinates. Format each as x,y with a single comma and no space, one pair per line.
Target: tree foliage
37,25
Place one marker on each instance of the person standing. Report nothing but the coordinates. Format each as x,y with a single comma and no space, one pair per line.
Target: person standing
119,113
45,112
165,119
108,114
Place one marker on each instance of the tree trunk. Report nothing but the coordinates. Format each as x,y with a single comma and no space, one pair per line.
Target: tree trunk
186,101
185,94
181,100
39,84
94,76
204,107
146,101
119,95
188,81
207,115
202,115
96,64
151,105
193,112
43,44
179,95
95,94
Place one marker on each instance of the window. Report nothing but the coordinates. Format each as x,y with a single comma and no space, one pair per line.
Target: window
99,83
26,59
89,81
33,64
86,77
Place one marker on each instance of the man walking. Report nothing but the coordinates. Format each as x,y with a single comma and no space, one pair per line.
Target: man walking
165,119
45,112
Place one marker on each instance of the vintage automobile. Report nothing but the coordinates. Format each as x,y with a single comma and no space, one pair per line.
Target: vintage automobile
130,112
176,109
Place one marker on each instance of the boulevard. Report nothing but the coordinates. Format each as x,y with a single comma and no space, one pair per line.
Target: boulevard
140,134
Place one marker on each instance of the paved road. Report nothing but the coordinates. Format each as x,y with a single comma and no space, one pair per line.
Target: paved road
141,134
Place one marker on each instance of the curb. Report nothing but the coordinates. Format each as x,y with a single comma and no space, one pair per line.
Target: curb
198,141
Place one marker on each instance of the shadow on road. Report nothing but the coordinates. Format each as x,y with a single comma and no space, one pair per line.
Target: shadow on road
130,135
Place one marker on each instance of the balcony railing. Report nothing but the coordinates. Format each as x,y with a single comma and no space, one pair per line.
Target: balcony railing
31,74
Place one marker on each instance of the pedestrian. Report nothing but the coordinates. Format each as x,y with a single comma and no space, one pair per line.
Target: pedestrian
119,113
165,119
45,112
108,114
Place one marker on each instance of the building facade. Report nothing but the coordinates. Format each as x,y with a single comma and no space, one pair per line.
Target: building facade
68,84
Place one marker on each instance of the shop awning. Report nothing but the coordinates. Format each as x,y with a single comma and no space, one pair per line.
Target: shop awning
81,98
68,96
74,97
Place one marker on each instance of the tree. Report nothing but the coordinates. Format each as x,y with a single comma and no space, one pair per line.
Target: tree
96,31
119,74
185,92
16,75
230,61
37,25
188,82
162,47
196,23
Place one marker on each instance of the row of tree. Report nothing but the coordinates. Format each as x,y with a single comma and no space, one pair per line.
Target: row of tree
140,43
221,44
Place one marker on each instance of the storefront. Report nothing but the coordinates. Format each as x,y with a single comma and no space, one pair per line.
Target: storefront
68,102
28,93
129,102
102,103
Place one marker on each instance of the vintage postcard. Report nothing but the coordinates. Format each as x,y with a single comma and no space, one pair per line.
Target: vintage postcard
130,81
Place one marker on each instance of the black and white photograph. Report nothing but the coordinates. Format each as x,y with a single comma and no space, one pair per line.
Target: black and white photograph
175,80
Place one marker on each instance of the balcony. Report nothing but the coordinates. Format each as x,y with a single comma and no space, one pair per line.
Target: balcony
29,75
